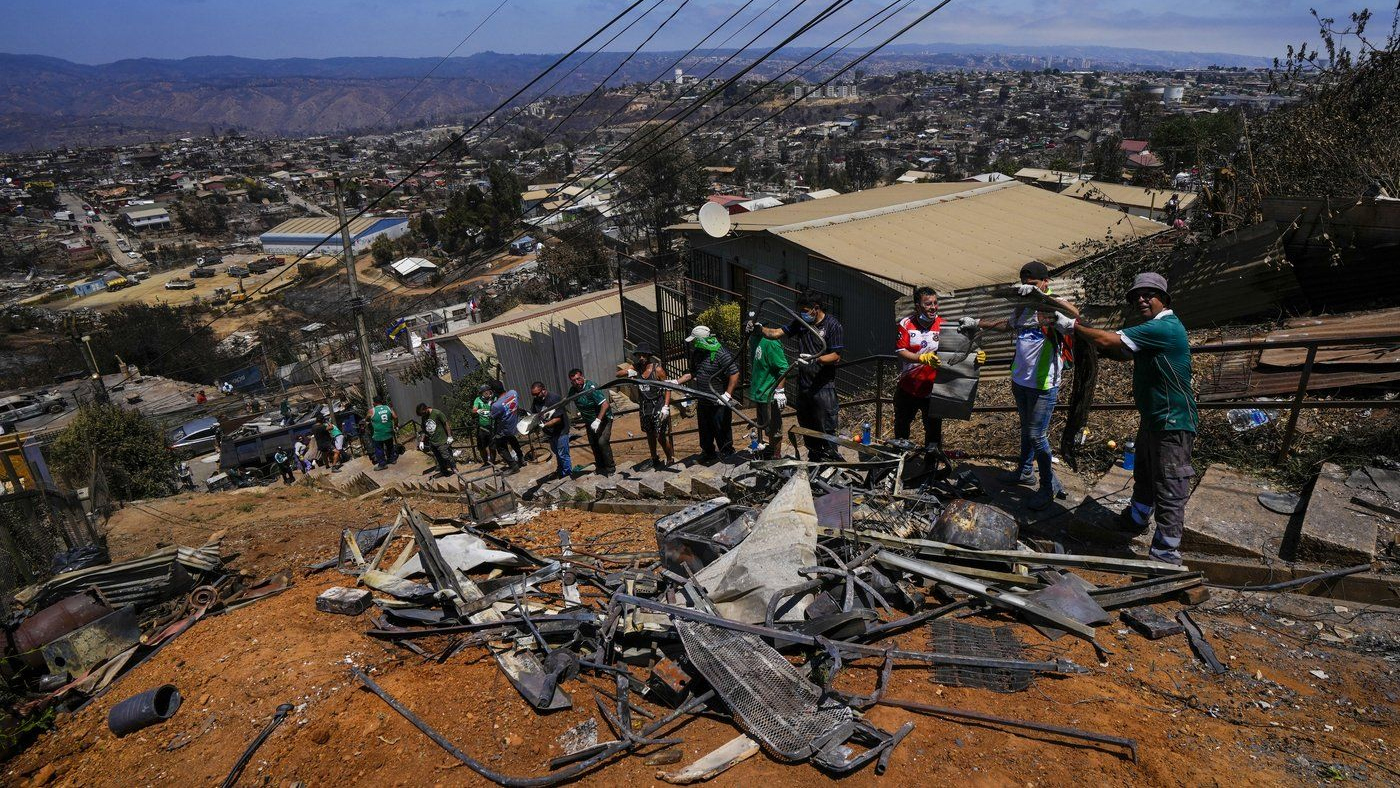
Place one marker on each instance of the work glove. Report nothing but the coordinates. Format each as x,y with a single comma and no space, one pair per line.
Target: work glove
595,425
752,325
967,323
631,373
450,439
664,413
422,446
1064,323
726,400
930,359
1025,290
780,398
806,359
981,358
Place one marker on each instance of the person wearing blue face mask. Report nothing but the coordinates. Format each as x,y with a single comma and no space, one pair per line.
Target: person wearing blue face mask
815,404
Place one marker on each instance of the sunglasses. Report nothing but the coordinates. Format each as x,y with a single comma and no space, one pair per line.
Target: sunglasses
1143,295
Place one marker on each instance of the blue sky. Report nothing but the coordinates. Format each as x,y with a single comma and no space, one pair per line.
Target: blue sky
100,31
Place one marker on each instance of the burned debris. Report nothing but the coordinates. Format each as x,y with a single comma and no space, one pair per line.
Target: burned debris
752,608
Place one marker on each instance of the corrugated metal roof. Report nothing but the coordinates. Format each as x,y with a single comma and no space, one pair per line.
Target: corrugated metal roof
320,226
839,205
1132,196
960,238
526,318
1240,274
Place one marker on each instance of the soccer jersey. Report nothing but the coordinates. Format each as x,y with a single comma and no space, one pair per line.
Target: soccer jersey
916,379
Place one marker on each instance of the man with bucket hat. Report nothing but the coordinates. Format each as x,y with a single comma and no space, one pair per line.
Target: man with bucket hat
1166,404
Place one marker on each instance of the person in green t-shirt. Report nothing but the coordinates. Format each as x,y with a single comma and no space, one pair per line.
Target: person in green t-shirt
383,424
437,437
1166,404
595,409
481,408
766,390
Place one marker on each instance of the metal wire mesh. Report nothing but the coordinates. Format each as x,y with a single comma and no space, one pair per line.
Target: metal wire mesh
954,637
785,712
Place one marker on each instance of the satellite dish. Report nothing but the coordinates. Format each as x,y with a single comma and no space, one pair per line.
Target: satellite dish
714,220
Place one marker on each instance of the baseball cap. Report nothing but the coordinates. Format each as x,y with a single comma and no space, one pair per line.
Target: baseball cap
1151,281
699,332
1035,270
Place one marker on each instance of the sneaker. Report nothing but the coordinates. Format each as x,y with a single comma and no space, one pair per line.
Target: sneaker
1125,522
381,466
1016,477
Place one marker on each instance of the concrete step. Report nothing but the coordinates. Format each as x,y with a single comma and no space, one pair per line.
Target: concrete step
1224,517
1334,531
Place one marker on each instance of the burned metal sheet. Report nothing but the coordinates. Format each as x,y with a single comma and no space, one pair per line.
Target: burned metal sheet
1068,597
784,539
977,526
786,713
83,649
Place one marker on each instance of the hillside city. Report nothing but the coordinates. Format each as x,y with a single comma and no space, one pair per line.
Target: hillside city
695,392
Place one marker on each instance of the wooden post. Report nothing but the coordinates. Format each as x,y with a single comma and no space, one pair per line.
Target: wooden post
1298,396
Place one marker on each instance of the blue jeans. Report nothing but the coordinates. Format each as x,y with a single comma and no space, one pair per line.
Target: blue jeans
559,444
1035,408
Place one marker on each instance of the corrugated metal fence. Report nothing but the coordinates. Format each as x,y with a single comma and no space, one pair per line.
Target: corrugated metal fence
980,303
593,345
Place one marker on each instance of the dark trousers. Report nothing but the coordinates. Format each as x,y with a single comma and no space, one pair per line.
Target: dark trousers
286,469
442,453
385,451
817,410
716,424
1162,474
484,445
771,417
601,444
906,405
508,448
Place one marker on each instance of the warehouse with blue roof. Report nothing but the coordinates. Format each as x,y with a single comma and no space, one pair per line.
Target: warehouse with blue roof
299,236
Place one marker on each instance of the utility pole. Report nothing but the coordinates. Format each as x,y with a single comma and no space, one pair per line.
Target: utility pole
357,304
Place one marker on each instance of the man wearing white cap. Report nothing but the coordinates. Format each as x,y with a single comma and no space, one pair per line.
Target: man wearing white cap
1166,404
713,369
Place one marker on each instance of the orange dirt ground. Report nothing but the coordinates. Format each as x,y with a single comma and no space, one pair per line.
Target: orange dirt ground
1266,722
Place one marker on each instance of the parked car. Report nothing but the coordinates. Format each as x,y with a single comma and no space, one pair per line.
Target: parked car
179,284
237,271
203,273
194,438
133,255
26,406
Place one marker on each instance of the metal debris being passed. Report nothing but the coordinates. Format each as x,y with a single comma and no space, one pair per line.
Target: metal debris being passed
786,713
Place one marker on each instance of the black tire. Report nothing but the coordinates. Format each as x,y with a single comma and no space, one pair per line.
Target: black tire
57,407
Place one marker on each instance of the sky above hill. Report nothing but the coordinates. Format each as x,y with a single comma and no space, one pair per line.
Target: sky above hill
100,31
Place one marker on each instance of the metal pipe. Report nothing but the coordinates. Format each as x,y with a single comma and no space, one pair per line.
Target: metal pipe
1298,397
237,770
1298,581
1074,733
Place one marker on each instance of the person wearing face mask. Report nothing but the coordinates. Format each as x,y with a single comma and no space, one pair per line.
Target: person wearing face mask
816,403
1036,371
655,404
1166,404
712,368
917,348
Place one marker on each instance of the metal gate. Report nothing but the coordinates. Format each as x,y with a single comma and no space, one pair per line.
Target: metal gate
672,325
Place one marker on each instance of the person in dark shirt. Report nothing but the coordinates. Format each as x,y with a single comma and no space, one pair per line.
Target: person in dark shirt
595,409
554,423
283,459
713,369
325,444
820,341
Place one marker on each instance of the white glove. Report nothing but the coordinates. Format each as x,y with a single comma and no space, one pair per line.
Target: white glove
967,323
805,359
780,398
725,399
631,373
1064,323
752,326
664,413
595,425
449,440
421,446
1025,290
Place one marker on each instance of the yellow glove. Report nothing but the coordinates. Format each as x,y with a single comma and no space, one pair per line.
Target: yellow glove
930,359
981,357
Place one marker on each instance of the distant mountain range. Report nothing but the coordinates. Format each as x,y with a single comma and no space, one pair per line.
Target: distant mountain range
50,102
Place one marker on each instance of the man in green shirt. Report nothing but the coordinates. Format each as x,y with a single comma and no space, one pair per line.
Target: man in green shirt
766,381
437,437
1166,404
383,423
596,411
481,408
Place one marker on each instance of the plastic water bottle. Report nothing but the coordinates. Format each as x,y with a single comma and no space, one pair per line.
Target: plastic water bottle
865,433
1129,455
1247,418
753,440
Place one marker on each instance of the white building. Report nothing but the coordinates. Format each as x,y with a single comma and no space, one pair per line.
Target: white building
299,236
147,217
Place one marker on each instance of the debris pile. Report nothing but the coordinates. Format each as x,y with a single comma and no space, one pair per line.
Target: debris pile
752,611
70,638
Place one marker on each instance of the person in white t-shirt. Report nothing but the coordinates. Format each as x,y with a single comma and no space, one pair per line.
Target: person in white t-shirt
1036,370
